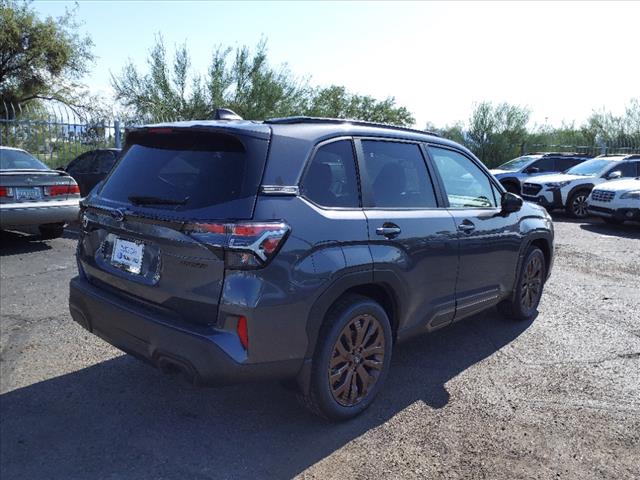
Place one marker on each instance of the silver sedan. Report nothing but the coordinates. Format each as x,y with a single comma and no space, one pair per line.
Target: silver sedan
35,197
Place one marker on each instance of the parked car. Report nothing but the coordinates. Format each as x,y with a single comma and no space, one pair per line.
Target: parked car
571,189
514,172
91,167
299,249
616,201
33,197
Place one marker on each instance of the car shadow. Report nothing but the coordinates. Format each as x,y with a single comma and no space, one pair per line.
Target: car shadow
13,243
17,243
624,230
122,419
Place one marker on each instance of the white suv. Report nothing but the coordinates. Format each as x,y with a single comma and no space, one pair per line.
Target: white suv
616,201
571,189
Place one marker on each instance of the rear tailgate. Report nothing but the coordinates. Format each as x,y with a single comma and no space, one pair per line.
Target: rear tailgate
135,240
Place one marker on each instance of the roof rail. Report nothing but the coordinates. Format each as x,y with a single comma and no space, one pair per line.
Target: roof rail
362,123
625,156
560,154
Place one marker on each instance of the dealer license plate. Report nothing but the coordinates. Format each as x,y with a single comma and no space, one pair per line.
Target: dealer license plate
127,255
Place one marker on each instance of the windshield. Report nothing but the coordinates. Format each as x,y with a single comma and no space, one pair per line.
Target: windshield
590,168
194,174
517,163
19,160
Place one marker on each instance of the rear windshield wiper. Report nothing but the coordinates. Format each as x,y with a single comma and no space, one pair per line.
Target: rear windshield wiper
147,200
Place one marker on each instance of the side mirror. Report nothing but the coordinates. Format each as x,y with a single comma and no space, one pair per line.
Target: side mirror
532,170
511,202
614,175
62,169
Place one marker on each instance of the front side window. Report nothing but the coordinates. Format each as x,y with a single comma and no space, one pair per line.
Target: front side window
330,180
465,183
627,169
397,175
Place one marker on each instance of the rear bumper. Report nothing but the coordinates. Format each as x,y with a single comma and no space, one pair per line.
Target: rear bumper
39,213
208,356
616,213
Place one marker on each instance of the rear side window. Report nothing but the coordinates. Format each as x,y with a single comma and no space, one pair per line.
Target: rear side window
189,173
544,165
465,183
564,164
397,175
330,180
83,164
627,169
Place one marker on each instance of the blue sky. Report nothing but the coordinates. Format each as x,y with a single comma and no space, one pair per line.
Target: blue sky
560,59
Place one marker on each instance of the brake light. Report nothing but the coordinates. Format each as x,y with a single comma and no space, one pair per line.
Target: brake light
54,190
6,192
246,244
243,332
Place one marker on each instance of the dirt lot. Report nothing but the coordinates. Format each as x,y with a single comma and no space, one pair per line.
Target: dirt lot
486,398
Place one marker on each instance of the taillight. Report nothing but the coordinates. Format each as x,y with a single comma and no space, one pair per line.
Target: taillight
6,192
243,332
54,190
246,244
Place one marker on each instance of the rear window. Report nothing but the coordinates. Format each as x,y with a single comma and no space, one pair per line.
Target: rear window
17,160
191,174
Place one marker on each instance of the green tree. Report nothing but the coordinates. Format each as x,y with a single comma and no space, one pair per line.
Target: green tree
337,102
41,59
240,79
497,132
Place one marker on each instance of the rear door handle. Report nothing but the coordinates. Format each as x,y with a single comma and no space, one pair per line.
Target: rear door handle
388,231
466,226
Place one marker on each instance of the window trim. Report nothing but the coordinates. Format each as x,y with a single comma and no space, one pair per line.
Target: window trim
492,181
310,160
367,202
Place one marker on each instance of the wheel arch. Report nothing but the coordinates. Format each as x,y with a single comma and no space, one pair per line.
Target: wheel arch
360,283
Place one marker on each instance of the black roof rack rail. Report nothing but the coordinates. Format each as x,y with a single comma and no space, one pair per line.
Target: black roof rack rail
362,123
559,154
625,156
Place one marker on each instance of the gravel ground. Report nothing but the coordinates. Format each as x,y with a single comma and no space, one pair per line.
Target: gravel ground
486,398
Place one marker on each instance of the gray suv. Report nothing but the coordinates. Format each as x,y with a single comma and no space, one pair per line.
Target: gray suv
299,249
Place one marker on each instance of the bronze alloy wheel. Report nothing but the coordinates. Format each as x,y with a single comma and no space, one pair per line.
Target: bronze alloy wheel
531,282
357,360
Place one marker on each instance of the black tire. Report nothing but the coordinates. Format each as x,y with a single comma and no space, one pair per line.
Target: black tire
341,329
613,221
577,204
530,283
51,231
